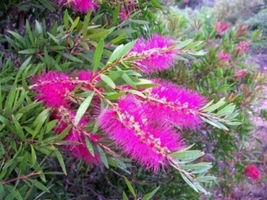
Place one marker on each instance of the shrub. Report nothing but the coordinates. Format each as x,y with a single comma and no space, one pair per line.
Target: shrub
234,11
94,92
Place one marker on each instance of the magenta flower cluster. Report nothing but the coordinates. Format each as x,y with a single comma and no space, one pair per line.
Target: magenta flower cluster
144,126
55,90
82,6
221,27
157,53
242,47
223,56
139,136
252,171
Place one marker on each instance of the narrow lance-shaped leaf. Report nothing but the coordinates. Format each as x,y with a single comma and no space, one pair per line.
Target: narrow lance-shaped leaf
108,81
130,187
89,146
82,109
151,194
61,161
98,54
121,51
124,196
102,156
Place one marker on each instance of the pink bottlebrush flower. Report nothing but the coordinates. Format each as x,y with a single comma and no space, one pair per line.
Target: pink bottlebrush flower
52,88
223,56
127,8
242,47
76,135
85,75
82,6
252,171
241,73
221,27
158,52
88,75
175,104
123,14
130,128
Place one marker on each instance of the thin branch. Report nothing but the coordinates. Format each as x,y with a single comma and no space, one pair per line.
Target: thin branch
21,177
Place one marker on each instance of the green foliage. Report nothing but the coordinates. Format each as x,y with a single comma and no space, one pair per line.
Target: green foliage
26,138
258,22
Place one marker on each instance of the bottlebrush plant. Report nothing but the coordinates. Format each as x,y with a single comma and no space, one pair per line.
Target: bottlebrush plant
85,90
140,116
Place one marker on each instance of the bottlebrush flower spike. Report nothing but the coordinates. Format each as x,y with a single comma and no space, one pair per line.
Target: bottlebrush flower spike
223,56
82,6
252,171
240,73
221,27
130,128
176,104
76,135
242,47
52,88
157,51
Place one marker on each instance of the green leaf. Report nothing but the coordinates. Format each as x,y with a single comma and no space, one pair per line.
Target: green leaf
130,187
102,156
214,123
189,182
18,37
74,24
115,95
189,155
206,179
86,23
61,161
89,146
53,38
198,167
13,194
98,54
151,194
198,53
47,4
115,15
33,155
50,125
39,185
38,27
72,58
83,108
124,196
100,34
29,32
184,43
200,188
144,83
128,80
64,133
66,19
121,51
19,131
2,190
108,81
215,106
40,120
28,51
